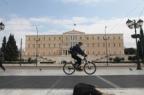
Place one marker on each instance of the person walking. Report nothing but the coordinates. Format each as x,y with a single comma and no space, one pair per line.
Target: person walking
1,60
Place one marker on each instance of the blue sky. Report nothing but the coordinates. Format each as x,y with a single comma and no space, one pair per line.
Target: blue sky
58,16
70,8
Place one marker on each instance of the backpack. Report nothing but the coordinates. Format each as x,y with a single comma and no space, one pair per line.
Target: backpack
85,89
70,50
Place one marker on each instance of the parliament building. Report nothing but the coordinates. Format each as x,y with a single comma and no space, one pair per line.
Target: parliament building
58,45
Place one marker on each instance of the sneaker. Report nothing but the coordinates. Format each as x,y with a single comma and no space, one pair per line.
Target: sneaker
79,69
76,65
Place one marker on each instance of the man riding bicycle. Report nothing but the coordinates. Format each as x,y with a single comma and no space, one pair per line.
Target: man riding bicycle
75,51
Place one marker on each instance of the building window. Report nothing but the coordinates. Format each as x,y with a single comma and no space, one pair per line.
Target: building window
109,44
119,37
71,38
43,45
119,45
93,37
38,45
80,38
104,37
29,38
44,38
87,38
33,45
114,44
48,45
93,44
98,38
114,38
38,39
98,45
75,38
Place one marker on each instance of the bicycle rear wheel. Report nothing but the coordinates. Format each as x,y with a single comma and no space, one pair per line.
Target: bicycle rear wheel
68,68
89,68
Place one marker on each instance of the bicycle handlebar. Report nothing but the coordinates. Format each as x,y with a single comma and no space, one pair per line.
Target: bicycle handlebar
84,58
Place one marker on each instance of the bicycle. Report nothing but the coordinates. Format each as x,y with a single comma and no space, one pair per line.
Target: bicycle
88,67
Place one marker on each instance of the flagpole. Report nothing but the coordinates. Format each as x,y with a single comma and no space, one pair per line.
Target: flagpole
74,26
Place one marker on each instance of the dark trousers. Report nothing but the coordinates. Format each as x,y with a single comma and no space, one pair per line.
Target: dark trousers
2,66
78,59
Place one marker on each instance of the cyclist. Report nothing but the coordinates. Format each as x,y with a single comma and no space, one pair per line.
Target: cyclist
75,51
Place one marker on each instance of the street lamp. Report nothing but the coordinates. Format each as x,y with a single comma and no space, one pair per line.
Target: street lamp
2,26
106,38
37,39
133,24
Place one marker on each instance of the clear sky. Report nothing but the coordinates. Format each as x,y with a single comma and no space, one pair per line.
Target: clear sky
58,16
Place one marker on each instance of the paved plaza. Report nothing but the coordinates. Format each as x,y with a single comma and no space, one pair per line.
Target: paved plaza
52,81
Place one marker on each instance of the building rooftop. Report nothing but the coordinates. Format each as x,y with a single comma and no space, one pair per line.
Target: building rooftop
73,32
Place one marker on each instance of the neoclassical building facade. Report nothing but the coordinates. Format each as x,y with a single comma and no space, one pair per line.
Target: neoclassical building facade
58,45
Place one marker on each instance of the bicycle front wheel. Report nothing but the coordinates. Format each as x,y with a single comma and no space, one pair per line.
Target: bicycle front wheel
68,68
89,68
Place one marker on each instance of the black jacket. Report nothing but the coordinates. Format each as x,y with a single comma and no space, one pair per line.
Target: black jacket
76,50
1,56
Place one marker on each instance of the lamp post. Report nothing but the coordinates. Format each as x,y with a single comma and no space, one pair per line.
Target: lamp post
142,44
133,24
20,54
106,38
37,39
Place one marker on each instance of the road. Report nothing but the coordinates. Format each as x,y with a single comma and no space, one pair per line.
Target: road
68,82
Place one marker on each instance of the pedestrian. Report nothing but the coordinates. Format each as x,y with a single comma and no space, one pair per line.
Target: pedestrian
1,60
